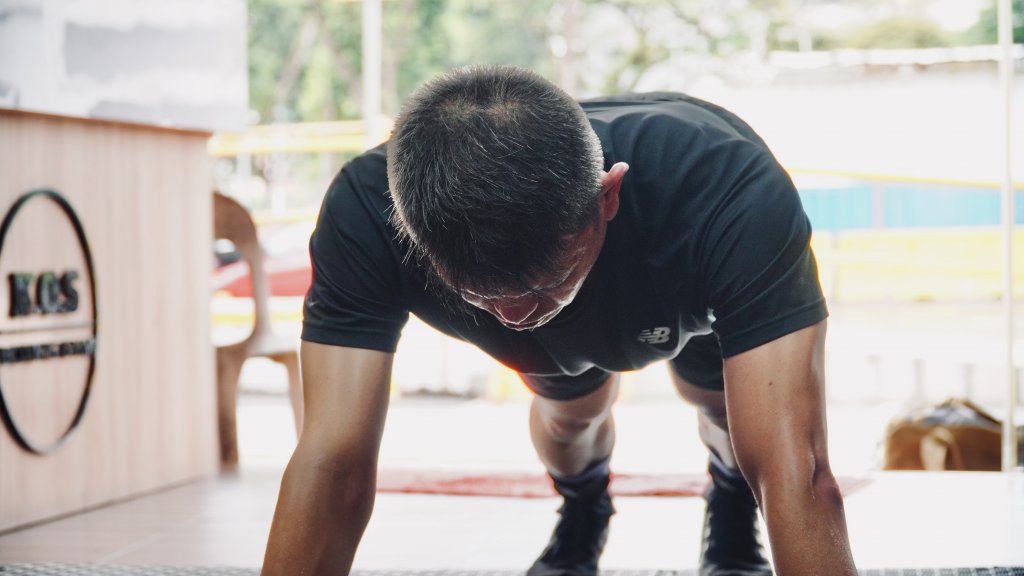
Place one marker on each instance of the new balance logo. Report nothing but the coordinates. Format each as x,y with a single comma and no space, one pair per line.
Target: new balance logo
657,335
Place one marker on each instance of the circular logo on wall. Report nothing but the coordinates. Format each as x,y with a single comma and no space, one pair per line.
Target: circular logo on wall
48,331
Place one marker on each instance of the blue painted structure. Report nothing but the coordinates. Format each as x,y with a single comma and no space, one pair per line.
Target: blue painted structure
874,205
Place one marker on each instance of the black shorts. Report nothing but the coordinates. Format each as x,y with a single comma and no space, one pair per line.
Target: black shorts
699,363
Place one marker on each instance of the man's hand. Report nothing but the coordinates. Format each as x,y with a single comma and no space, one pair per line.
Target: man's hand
776,405
328,488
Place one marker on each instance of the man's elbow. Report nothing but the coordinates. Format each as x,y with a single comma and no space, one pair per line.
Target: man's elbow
345,480
825,487
803,478
325,503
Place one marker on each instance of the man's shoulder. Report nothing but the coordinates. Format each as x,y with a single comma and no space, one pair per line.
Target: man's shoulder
362,179
369,168
357,205
670,114
672,103
633,98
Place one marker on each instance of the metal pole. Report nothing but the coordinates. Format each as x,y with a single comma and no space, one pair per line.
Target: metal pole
372,64
1005,26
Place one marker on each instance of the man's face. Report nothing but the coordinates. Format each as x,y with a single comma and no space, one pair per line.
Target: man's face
548,295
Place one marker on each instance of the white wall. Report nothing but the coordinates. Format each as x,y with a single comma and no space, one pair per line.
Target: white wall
179,63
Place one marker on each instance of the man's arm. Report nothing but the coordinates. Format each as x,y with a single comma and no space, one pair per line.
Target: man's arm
329,486
775,396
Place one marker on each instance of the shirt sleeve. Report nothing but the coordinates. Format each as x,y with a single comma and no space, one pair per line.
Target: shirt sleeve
356,297
760,273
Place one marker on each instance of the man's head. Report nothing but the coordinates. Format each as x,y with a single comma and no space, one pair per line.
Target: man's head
498,186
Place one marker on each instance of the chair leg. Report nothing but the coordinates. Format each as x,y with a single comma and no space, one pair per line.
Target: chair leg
229,368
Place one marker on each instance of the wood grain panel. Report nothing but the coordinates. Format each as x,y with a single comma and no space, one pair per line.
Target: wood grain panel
143,197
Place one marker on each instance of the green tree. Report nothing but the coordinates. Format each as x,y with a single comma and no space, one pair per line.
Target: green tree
655,31
421,49
273,26
305,55
301,64
900,33
497,32
986,31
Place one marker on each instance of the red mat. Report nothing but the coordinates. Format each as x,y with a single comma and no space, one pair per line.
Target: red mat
539,485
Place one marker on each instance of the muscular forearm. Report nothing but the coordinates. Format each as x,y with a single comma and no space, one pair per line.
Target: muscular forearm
322,510
807,527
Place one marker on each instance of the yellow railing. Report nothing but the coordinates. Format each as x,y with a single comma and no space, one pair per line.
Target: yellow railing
915,264
899,178
856,265
298,138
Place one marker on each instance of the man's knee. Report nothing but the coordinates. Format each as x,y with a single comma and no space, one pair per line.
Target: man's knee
566,429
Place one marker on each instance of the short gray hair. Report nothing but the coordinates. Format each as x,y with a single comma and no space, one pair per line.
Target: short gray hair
490,169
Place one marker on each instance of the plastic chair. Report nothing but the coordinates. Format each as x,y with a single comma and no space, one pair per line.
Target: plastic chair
232,221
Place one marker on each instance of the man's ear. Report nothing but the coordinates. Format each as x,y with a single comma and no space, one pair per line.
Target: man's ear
611,182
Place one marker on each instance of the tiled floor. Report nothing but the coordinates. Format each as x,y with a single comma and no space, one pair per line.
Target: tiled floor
897,520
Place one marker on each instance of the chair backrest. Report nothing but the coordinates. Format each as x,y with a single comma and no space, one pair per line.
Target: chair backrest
231,221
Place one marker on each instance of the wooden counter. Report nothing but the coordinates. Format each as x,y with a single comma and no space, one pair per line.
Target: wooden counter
142,196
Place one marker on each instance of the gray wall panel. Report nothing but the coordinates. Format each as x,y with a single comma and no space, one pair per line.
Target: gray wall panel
179,63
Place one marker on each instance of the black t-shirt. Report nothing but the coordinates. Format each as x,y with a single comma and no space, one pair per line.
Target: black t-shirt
710,236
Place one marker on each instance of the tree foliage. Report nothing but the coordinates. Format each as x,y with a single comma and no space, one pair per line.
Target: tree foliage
273,26
899,33
305,55
986,31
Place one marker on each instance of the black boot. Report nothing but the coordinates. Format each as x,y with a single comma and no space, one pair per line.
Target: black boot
731,544
582,529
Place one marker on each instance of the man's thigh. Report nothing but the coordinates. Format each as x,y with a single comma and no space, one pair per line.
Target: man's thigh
564,388
699,364
698,377
573,401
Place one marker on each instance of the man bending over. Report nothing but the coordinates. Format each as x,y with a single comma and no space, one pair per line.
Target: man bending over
573,241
